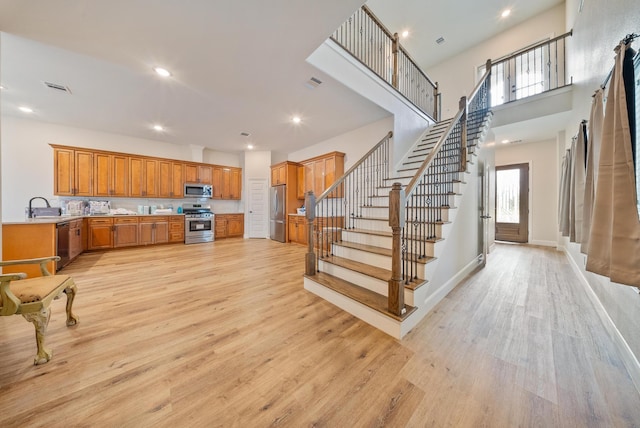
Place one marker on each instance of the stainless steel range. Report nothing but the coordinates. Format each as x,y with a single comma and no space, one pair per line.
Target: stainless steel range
198,223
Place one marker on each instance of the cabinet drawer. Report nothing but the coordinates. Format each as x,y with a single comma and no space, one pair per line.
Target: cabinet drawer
176,227
176,236
125,220
104,220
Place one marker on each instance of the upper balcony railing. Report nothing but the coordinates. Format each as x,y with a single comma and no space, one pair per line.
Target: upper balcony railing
368,40
531,71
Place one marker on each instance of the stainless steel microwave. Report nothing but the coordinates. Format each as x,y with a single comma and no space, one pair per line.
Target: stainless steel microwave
198,190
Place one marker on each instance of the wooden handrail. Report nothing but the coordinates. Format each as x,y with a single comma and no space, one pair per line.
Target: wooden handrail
530,48
377,21
417,67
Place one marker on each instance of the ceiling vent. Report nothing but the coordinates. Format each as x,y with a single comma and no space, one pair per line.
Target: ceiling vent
440,40
245,134
313,83
58,87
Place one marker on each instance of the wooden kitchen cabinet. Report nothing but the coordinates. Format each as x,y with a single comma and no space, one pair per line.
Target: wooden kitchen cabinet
228,226
285,173
73,171
198,173
170,179
125,232
100,233
298,229
153,230
227,182
28,241
143,177
235,183
111,175
322,171
176,228
76,246
300,182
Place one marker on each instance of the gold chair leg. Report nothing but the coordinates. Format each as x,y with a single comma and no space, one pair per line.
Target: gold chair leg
70,291
40,320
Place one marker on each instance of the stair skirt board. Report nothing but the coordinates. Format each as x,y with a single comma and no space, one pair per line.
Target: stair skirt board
372,317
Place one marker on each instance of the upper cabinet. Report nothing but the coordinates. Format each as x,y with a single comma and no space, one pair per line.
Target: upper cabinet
87,172
73,171
322,171
284,173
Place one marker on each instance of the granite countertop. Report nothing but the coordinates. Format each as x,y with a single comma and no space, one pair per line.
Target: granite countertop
62,219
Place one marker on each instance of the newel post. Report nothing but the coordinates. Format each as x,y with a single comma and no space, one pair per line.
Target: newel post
463,134
396,221
488,66
395,47
435,104
310,215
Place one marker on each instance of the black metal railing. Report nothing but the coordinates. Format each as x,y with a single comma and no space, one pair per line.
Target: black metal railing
339,205
531,71
369,41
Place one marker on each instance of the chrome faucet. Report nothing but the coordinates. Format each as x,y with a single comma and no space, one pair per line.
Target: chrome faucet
31,200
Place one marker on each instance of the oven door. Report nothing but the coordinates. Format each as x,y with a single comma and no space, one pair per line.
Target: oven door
198,230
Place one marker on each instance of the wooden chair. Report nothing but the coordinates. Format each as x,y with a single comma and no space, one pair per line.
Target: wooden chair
32,297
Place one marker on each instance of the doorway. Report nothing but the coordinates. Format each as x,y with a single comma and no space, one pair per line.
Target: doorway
512,203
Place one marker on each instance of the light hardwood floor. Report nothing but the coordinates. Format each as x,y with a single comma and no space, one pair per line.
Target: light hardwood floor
223,334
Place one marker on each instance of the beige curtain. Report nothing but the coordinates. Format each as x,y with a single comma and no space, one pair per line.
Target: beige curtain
614,247
593,156
565,193
578,161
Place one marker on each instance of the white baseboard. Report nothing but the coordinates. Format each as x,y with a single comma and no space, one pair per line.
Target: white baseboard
628,357
544,243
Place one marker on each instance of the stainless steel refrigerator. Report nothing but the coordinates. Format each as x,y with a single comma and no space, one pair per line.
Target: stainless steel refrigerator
278,213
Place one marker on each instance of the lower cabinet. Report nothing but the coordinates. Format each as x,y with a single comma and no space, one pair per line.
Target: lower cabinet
176,229
125,232
100,233
75,238
298,229
153,230
229,225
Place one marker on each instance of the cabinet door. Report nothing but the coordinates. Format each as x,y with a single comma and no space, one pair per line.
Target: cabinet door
126,234
150,178
308,177
205,173
220,227
100,235
216,182
120,175
177,180
226,183
136,177
282,174
145,232
165,178
274,176
318,177
300,183
235,225
83,171
75,239
302,230
161,231
63,167
293,229
235,186
102,174
190,173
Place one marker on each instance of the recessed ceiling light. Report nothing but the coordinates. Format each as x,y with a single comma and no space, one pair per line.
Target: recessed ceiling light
504,141
162,71
2,87
250,146
296,119
405,34
158,128
25,109
505,13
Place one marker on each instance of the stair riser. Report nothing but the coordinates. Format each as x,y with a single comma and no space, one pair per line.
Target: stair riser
383,212
381,241
404,181
365,281
441,200
454,187
373,225
374,259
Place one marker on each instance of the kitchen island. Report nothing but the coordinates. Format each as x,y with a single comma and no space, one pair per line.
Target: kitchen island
69,236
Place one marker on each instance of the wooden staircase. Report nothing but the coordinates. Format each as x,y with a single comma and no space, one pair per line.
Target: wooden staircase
355,272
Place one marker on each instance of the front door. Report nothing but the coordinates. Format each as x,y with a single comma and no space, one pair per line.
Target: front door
512,203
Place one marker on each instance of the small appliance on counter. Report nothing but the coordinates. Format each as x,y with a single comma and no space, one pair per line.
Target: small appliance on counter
47,211
99,207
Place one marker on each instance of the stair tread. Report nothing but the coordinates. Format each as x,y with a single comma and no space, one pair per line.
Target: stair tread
362,295
385,251
372,271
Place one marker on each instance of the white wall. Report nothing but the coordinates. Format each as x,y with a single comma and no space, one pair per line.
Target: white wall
456,77
27,161
543,185
354,144
597,30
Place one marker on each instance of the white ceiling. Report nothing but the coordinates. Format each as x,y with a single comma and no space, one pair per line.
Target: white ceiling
238,66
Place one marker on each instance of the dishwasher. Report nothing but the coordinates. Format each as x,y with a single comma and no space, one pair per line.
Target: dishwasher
62,239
